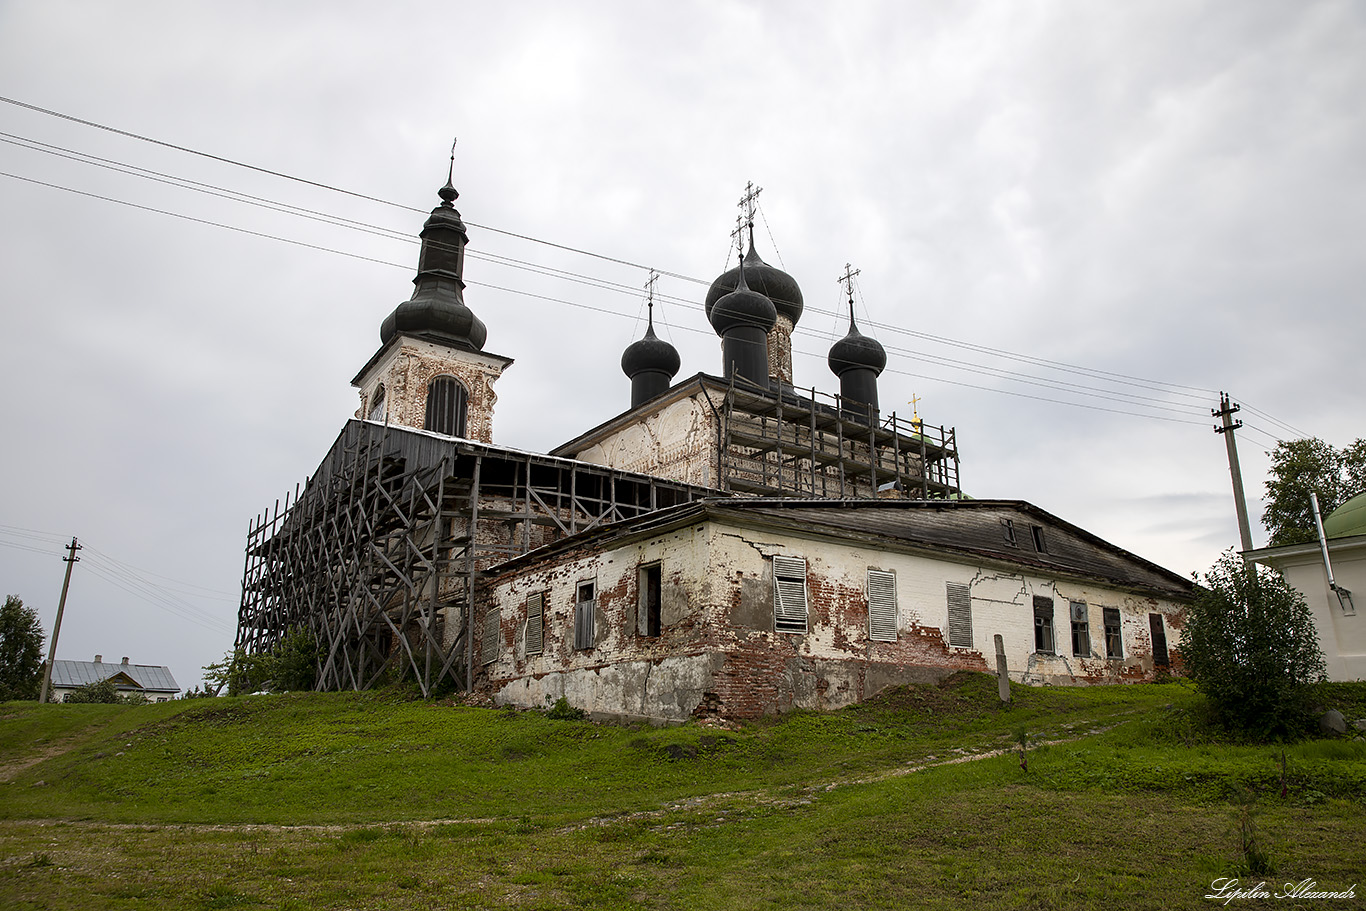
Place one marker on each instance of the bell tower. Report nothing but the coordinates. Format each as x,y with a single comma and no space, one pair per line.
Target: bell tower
431,371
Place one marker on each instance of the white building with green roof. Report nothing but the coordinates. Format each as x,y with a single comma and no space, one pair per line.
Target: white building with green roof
1342,628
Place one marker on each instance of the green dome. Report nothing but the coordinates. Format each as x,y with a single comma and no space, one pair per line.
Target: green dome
1348,519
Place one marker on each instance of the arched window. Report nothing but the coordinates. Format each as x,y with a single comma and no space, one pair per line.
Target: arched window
445,406
377,405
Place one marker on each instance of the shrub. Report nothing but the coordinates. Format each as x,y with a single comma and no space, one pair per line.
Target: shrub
1251,647
102,691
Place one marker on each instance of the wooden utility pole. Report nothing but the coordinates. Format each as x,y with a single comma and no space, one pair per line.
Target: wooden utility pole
70,560
1226,411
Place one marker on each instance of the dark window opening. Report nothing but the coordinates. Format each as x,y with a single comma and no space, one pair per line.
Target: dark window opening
446,407
1081,630
1114,646
583,617
1160,658
1008,530
1037,532
651,583
1043,624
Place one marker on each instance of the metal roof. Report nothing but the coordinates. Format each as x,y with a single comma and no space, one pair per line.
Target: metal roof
148,677
976,529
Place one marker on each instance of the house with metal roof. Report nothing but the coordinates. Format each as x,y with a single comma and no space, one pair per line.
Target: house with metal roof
151,680
750,606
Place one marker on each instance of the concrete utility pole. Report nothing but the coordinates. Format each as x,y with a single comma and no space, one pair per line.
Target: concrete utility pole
70,560
1226,411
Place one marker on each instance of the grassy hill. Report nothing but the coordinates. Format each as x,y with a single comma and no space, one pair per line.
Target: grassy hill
916,799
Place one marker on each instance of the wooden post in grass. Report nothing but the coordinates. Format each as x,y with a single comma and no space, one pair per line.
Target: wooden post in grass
1002,677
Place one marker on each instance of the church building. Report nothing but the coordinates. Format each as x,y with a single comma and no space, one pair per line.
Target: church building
730,544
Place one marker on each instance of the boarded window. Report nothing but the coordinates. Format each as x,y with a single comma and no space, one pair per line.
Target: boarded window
1114,646
1043,624
377,405
535,623
583,617
960,615
445,406
649,584
1160,658
1081,630
789,594
493,625
1008,531
882,620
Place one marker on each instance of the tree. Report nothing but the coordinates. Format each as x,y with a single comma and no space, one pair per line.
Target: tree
291,665
21,651
1251,647
1299,466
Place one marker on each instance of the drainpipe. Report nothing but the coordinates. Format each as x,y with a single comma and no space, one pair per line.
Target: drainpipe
1344,596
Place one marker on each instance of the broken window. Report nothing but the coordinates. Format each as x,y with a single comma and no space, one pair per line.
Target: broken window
583,616
882,620
493,622
1043,624
377,404
535,624
1081,630
789,594
445,406
1039,544
649,584
1160,658
1114,646
1008,529
960,615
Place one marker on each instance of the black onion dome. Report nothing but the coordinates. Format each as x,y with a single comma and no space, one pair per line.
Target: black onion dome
650,353
742,307
772,282
437,308
856,350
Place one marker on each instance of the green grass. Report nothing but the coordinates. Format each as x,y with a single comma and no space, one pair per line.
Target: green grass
374,801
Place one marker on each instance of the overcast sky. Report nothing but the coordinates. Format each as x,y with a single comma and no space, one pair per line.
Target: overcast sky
1171,193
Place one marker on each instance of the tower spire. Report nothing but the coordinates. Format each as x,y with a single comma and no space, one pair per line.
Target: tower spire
448,193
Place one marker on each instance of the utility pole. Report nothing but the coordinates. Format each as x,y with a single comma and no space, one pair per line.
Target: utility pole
70,560
1226,412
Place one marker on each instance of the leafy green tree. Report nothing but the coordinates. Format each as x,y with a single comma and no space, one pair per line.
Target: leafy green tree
291,665
1301,466
1250,645
21,651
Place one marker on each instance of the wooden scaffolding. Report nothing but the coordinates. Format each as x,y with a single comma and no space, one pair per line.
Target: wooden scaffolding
379,552
794,443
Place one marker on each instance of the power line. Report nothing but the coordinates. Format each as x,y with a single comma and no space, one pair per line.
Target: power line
948,362
601,284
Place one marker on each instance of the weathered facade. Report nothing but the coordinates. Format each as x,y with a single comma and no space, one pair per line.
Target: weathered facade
745,607
728,544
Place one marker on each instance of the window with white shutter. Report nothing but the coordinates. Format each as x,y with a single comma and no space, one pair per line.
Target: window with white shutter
882,619
960,615
789,594
493,622
535,624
